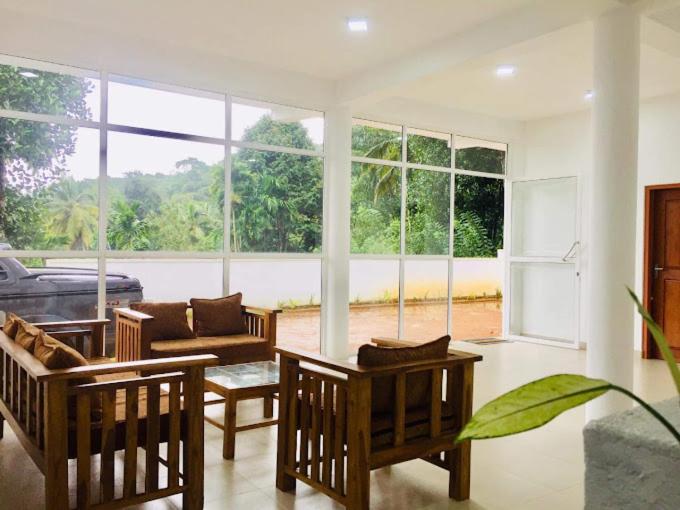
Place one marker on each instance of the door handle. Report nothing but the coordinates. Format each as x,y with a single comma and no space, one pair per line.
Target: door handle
657,269
570,252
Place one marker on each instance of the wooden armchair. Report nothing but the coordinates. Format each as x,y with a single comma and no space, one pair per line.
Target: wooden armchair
341,439
133,340
91,412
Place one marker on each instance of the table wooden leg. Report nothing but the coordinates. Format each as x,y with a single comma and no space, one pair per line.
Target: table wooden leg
229,443
269,406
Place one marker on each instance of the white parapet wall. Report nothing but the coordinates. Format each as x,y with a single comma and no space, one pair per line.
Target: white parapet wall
632,461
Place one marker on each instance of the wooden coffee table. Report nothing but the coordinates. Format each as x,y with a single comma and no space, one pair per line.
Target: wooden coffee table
245,381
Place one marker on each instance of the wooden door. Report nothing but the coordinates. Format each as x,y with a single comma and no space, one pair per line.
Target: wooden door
664,266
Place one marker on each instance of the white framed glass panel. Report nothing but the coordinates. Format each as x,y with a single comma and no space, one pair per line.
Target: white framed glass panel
425,299
428,207
543,217
133,104
376,206
36,87
376,140
428,147
477,297
164,194
50,185
374,300
277,202
294,286
543,301
480,155
279,125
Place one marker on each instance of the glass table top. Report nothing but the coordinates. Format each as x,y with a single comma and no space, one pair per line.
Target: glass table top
244,375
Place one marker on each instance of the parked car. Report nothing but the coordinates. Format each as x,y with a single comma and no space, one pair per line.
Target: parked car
49,294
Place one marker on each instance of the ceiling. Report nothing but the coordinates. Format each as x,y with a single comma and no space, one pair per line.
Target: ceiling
306,36
309,37
553,73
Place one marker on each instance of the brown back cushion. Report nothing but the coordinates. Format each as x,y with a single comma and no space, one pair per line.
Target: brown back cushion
169,320
11,325
26,335
418,385
56,355
218,317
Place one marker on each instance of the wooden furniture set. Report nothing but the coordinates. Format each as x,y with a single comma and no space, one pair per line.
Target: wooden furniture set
134,339
333,431
337,420
93,411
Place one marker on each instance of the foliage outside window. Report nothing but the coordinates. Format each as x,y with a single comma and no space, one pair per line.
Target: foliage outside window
478,216
428,148
480,155
375,140
376,206
428,208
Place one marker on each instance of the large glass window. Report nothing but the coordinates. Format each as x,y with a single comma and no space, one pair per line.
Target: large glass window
165,164
404,210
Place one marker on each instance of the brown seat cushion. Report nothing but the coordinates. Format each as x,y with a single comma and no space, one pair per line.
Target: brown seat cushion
26,335
121,419
418,385
218,317
417,425
56,355
11,325
169,320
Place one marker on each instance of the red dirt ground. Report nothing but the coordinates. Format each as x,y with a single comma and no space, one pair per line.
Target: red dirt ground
300,328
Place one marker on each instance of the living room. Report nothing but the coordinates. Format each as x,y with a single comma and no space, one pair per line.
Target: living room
228,219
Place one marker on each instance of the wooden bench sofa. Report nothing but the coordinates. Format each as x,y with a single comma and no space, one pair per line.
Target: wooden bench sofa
87,413
134,338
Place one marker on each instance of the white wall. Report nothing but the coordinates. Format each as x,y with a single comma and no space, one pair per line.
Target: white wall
561,146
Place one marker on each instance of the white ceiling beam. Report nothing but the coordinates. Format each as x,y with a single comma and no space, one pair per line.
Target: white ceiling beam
534,20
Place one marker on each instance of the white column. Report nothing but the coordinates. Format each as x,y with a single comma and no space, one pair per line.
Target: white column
613,197
336,233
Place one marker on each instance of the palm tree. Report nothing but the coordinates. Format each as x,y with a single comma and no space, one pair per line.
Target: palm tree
127,230
74,215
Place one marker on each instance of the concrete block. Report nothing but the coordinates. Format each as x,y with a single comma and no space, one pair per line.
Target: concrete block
632,461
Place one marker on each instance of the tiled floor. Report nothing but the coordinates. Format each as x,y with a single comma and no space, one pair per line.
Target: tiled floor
542,469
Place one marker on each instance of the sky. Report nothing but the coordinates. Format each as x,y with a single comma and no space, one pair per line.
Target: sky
169,111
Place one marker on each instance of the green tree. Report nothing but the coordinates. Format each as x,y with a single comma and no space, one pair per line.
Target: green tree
127,228
32,154
279,203
73,215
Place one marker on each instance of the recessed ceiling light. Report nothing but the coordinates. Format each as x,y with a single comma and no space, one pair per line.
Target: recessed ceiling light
505,70
588,95
28,74
357,25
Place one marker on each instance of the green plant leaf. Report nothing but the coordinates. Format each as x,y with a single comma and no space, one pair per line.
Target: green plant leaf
659,338
532,405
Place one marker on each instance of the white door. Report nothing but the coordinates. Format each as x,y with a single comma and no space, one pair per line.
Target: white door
543,264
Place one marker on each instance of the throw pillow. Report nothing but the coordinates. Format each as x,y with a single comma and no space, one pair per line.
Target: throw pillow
219,317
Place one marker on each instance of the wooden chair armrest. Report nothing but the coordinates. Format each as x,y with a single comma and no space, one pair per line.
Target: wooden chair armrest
67,324
132,314
155,365
311,358
260,310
